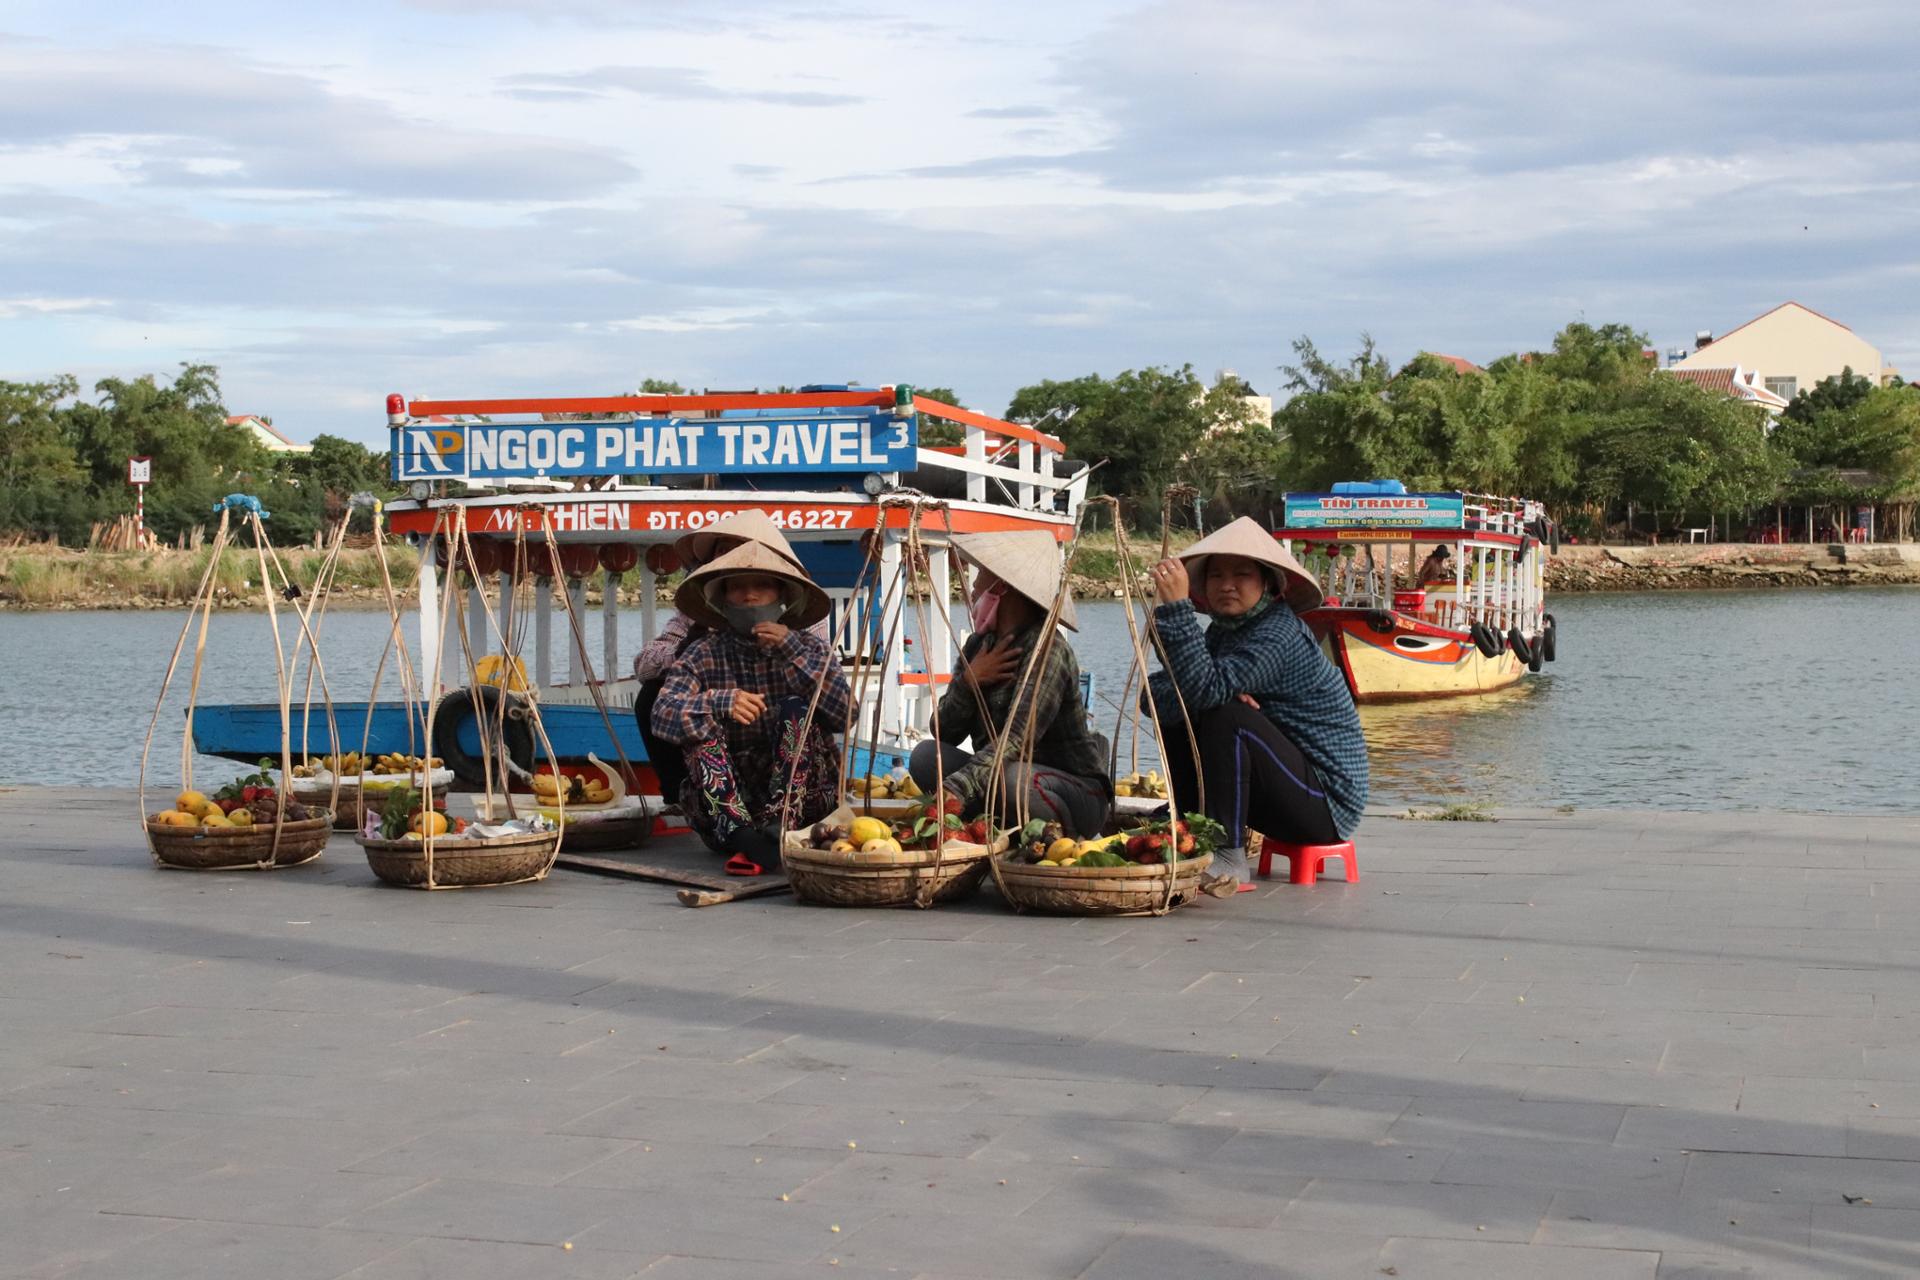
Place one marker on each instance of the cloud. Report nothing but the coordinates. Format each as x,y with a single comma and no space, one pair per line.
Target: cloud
669,84
196,116
1012,113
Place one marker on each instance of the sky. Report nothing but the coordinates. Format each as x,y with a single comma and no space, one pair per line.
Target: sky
472,198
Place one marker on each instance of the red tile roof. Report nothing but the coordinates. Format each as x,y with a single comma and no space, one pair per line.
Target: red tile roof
1460,363
1728,384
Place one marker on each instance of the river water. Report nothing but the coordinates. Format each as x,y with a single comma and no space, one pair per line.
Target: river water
1802,700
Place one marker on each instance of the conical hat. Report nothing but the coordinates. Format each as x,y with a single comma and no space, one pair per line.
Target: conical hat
1245,537
1028,562
806,602
695,549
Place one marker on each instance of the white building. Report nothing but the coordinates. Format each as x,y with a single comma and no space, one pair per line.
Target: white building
268,436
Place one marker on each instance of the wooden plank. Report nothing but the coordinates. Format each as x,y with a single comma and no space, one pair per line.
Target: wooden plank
660,873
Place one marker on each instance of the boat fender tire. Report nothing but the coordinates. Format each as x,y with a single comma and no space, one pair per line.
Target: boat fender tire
1536,661
1553,537
1380,621
456,711
1520,556
1547,645
1484,640
1521,649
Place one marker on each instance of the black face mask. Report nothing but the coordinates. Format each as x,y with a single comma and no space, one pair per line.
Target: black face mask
745,617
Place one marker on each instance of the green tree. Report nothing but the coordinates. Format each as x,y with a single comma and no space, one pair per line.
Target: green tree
1142,421
41,481
1875,431
660,387
1835,394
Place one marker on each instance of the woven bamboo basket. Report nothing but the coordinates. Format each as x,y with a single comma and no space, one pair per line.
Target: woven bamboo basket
823,878
238,848
460,863
1098,891
350,814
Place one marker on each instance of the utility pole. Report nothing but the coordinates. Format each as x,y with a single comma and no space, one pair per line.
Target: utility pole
140,475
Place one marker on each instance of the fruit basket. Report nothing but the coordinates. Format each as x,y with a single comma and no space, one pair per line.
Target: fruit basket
1147,869
859,860
417,846
362,783
251,823
239,827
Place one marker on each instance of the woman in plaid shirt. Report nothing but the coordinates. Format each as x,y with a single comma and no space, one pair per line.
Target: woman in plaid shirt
1279,739
735,699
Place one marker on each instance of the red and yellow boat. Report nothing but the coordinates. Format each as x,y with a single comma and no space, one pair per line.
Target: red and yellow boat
1428,595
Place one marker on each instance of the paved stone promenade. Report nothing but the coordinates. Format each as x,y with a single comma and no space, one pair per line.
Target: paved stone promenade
1592,1045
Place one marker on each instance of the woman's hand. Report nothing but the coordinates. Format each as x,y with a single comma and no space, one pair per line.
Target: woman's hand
994,664
769,635
1248,699
747,707
1170,581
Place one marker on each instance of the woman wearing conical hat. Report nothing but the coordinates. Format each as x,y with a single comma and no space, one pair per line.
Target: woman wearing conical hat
650,665
1279,739
735,699
1052,758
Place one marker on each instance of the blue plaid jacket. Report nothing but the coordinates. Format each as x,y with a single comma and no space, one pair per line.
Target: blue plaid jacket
1276,659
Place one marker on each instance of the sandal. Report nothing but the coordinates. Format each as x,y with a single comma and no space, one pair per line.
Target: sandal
741,865
1220,886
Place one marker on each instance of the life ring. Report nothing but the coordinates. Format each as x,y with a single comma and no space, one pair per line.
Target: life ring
1485,640
1547,638
456,711
1380,622
1521,649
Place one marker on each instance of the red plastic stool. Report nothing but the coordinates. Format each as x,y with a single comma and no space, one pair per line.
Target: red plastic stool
1306,860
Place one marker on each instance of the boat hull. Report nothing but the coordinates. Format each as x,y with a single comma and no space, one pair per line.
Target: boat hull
1411,661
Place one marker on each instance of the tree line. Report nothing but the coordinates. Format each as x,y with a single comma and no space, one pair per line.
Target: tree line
63,460
1591,427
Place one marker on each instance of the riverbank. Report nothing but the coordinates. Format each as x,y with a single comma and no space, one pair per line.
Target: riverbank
1684,567
1589,1044
35,578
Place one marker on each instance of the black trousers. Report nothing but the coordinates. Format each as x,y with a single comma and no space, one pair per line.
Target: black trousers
665,757
1255,777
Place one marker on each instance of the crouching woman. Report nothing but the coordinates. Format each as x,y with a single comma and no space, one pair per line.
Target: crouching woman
1279,747
1053,765
735,701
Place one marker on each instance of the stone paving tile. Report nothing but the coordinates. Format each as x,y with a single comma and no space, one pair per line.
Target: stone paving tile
1890,1184
956,1245
1489,1260
266,1195
1658,1220
940,1184
1105,1143
1334,1115
437,1259
899,1132
1194,1196
239,1251
689,1223
1500,1161
45,1240
1211,1253
1734,1131
1446,1121
536,1159
751,1172
475,1210
1418,1209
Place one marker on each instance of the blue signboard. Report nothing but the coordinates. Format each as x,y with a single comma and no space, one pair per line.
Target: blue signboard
869,440
1375,511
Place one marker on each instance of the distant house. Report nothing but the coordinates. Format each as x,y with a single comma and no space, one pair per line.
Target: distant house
269,437
1259,408
1794,347
1735,383
1460,363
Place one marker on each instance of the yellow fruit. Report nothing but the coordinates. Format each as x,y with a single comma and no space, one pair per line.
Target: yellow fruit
240,818
173,818
546,784
1046,862
1123,788
885,845
215,819
1064,847
427,821
843,846
865,829
907,789
190,802
1068,862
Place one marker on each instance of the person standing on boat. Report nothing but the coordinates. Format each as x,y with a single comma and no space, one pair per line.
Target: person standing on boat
1279,739
1052,759
1437,567
735,701
651,664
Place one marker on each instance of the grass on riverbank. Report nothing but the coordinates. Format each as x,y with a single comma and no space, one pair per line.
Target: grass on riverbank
35,578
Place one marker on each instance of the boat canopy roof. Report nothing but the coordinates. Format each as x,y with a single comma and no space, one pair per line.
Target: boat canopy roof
1358,510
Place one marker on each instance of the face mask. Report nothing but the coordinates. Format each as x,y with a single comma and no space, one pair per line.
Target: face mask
986,607
745,617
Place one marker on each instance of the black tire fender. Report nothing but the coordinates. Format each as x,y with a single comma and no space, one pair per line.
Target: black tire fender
1547,637
1485,640
1521,649
1380,621
456,710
